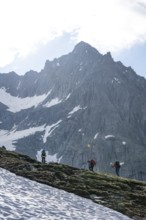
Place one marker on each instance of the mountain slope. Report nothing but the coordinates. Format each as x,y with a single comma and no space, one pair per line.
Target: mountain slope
24,199
124,195
80,106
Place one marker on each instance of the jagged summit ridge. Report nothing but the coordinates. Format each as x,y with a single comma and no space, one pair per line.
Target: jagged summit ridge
83,46
82,53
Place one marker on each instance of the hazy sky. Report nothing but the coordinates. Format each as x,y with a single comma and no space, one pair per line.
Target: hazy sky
32,31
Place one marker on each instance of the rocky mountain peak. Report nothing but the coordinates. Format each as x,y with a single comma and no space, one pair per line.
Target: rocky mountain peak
83,47
108,56
72,106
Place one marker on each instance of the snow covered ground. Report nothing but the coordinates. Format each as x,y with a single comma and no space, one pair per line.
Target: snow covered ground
23,199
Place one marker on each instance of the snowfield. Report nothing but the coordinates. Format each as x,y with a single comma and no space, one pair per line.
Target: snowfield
23,199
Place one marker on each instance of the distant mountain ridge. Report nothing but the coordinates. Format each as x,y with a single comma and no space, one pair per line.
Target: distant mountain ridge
82,105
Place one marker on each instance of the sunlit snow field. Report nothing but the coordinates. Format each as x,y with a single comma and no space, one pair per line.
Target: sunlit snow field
23,199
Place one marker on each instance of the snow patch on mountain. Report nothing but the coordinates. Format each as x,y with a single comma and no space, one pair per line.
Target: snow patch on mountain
19,84
10,138
68,96
53,102
49,129
96,135
110,136
116,80
16,104
75,109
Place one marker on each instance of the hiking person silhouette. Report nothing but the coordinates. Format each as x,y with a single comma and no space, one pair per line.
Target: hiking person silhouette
92,163
117,167
43,155
4,147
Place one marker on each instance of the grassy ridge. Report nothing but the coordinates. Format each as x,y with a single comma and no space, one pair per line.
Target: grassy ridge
123,195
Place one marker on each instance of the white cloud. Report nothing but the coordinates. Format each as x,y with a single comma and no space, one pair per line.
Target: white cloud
107,25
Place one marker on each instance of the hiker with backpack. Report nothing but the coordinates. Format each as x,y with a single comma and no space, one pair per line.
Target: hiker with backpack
91,163
117,166
43,155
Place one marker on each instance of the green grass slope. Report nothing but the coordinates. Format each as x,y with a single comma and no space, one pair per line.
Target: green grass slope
124,195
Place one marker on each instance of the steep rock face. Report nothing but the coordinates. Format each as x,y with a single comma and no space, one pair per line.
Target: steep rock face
80,106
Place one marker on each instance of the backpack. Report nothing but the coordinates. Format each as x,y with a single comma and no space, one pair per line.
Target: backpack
93,162
117,164
43,153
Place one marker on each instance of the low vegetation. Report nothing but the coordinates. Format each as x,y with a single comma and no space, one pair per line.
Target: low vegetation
124,195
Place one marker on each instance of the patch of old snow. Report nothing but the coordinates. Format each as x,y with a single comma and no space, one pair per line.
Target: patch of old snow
16,104
96,135
49,129
109,136
53,102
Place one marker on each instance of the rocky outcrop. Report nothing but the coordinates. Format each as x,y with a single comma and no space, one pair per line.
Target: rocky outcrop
124,195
